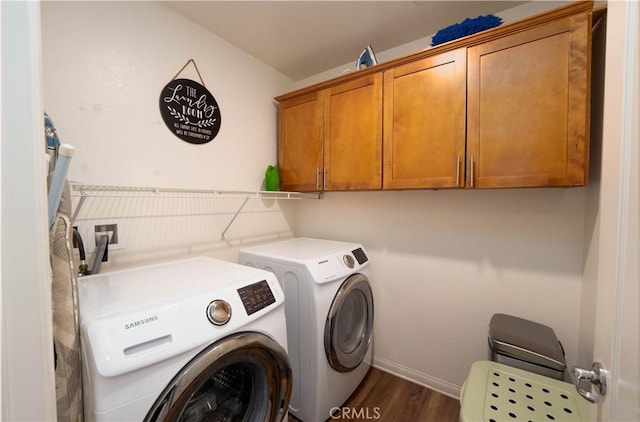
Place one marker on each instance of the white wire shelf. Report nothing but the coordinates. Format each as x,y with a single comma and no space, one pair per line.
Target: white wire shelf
79,189
83,192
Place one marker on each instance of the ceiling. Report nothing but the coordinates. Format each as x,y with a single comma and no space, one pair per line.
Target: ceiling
304,38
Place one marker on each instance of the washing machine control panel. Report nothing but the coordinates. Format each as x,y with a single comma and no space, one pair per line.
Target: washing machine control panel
219,312
348,261
256,296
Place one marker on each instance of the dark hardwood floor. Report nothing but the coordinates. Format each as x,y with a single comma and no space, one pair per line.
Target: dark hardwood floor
387,398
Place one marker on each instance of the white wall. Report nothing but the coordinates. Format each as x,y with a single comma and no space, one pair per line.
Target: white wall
105,64
592,200
510,15
444,261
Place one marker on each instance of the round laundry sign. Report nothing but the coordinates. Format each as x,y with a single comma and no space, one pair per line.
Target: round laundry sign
190,111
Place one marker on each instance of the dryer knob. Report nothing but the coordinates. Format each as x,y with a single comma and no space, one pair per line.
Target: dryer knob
219,312
348,260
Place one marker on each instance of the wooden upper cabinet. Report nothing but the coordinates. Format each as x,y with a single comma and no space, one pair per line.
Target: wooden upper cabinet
424,122
331,139
353,134
507,107
528,107
300,143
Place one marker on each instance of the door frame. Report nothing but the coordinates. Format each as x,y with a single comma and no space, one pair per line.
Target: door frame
616,303
27,367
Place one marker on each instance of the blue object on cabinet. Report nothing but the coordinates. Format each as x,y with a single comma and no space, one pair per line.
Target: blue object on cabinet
467,27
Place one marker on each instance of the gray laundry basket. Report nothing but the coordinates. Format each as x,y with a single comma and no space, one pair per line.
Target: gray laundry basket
526,345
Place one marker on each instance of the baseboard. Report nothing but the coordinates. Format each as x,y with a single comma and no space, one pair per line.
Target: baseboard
433,383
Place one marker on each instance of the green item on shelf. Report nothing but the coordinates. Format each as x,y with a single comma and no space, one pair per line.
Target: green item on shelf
272,178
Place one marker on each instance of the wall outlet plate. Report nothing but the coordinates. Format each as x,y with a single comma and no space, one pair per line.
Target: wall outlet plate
93,229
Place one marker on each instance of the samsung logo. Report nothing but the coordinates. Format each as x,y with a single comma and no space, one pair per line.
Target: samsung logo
140,322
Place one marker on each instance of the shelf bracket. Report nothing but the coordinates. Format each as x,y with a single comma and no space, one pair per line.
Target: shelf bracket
83,197
246,199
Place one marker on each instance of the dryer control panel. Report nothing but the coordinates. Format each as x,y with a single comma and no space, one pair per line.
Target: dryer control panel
339,265
256,296
360,256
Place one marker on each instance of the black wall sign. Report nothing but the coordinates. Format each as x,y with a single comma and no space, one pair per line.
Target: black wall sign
190,111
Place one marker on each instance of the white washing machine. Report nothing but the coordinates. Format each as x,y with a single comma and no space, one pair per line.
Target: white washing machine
197,339
329,310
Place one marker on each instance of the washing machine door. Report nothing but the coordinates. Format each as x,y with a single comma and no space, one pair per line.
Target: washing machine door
349,325
243,377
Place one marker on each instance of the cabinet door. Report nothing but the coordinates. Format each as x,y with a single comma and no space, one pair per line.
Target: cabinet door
353,134
424,122
528,105
300,143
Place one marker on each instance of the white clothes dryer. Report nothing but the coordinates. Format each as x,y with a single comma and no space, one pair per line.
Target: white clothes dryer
191,340
329,310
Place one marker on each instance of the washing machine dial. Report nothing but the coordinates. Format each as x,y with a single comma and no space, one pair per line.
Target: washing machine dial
348,261
219,312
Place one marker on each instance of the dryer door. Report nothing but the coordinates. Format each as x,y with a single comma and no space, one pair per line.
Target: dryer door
243,377
349,326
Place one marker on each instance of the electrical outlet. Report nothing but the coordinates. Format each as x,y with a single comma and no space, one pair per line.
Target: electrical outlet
96,228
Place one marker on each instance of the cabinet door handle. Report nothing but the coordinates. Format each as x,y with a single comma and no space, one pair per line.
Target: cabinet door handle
458,170
324,179
472,171
317,177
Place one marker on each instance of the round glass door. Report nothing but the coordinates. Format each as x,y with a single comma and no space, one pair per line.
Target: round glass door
243,377
349,325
